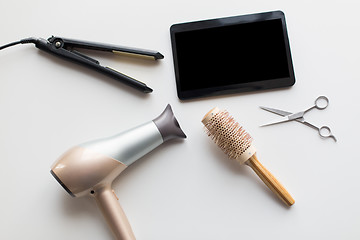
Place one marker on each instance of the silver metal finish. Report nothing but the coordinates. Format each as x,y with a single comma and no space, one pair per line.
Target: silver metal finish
129,146
320,103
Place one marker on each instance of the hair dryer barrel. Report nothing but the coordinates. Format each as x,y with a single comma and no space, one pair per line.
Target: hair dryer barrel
131,145
100,161
90,168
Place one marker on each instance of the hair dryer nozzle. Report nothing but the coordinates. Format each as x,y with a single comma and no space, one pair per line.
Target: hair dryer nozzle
168,125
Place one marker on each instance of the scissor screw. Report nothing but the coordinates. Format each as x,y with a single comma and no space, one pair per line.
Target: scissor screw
58,44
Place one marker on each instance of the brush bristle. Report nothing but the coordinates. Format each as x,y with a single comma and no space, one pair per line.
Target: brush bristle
228,134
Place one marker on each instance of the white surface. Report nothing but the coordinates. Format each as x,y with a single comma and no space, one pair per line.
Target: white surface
184,189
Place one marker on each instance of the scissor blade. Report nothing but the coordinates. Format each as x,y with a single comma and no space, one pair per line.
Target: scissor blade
296,115
276,111
281,120
287,116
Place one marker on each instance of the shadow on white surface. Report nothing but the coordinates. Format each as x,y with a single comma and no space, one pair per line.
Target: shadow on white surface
84,209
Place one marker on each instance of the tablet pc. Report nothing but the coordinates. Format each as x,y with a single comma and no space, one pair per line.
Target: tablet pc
232,54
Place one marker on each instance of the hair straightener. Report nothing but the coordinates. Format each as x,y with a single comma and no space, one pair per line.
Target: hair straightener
64,48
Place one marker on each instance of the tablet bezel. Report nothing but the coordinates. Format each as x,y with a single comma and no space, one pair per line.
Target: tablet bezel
233,88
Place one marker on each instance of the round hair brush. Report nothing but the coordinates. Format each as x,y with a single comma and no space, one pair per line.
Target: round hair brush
237,144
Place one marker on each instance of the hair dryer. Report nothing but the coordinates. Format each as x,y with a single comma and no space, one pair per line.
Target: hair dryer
90,168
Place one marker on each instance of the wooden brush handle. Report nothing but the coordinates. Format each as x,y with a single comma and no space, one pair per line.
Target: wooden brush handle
270,180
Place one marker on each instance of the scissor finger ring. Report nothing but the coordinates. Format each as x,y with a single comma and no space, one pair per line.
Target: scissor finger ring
321,102
325,132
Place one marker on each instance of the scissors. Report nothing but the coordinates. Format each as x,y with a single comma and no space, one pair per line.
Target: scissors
320,103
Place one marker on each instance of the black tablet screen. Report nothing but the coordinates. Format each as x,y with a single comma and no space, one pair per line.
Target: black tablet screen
234,54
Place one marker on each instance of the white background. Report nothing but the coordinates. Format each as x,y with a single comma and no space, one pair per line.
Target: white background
183,189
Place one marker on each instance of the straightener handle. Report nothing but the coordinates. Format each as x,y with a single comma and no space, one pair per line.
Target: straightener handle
136,52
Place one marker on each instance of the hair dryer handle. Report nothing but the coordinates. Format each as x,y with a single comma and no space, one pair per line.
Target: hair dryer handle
113,213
